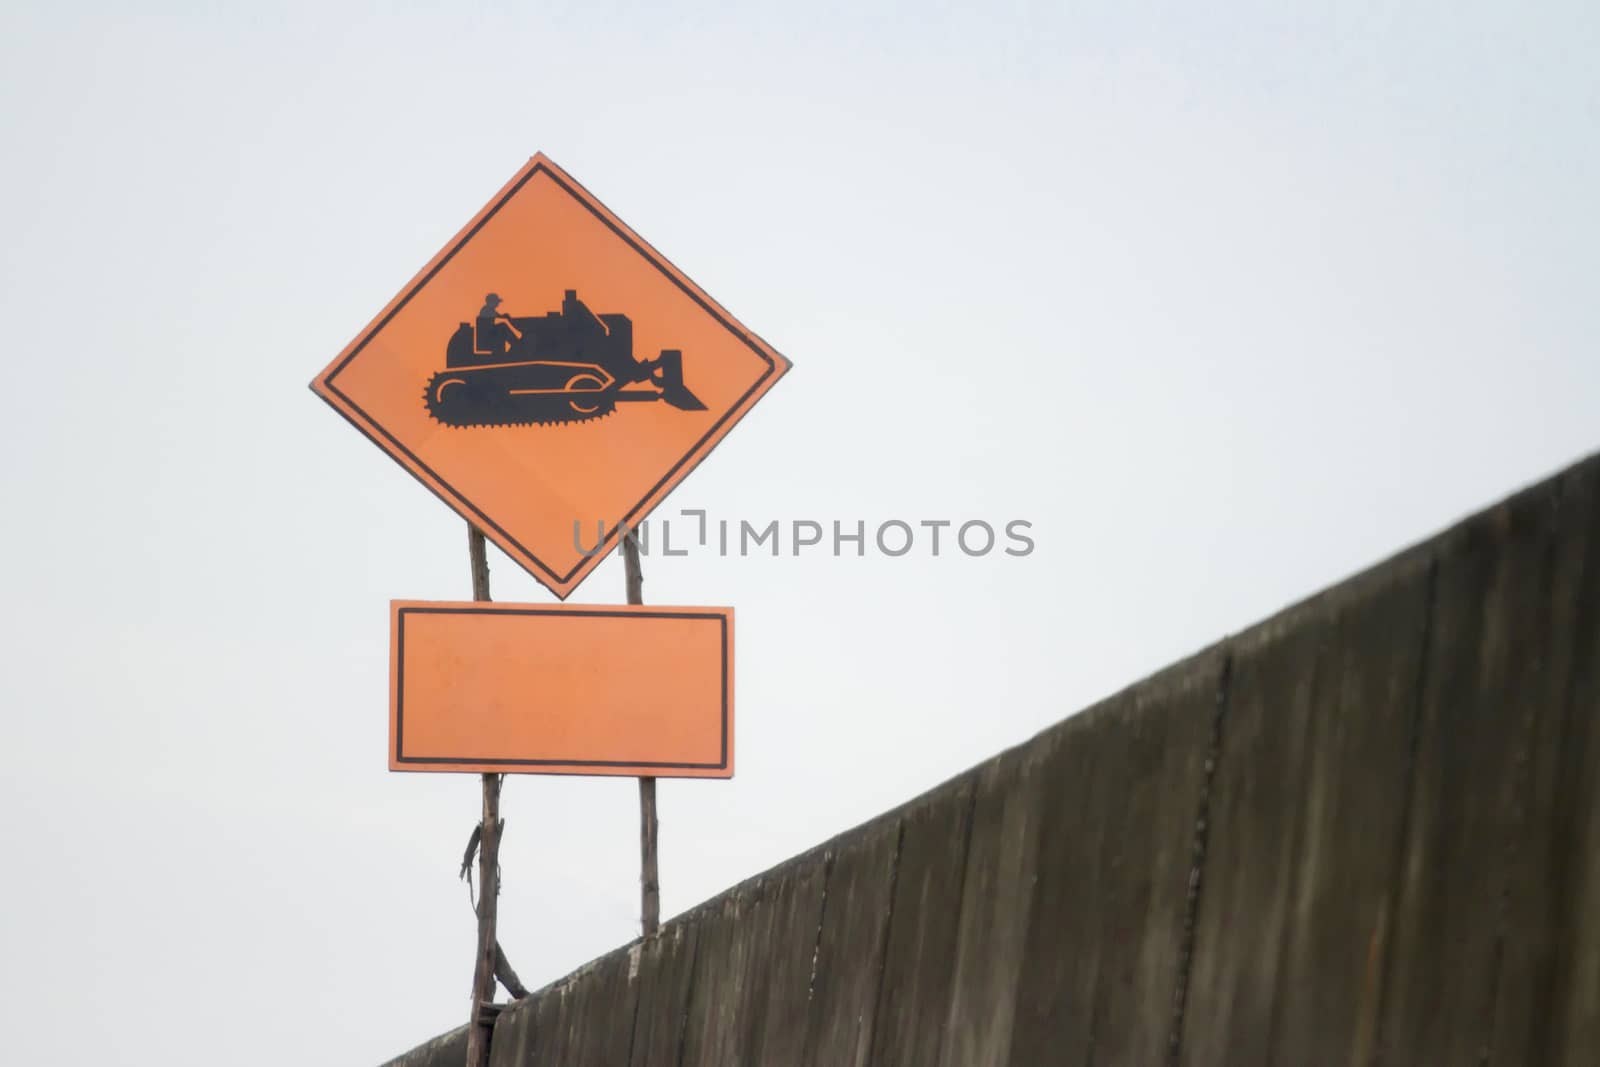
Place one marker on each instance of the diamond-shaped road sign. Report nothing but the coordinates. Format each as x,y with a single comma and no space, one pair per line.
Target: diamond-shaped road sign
550,375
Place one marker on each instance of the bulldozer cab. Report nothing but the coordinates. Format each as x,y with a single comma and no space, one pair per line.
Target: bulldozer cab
493,333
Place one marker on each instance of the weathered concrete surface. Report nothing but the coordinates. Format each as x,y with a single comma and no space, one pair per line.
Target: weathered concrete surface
447,1050
1365,831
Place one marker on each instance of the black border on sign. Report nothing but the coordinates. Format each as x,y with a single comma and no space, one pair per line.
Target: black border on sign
631,518
400,682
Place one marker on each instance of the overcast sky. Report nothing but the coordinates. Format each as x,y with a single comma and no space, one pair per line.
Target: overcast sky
1227,301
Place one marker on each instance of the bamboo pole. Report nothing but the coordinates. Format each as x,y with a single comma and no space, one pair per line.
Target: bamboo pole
481,1023
649,874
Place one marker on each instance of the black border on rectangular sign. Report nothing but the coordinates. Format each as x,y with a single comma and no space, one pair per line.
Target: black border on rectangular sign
720,616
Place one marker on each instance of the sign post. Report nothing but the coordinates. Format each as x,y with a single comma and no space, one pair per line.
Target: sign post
480,1021
551,377
649,873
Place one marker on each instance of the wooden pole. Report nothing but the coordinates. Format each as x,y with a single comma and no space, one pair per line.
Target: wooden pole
481,1020
649,876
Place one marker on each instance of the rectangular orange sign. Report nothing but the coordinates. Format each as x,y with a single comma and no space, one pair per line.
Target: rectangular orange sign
568,689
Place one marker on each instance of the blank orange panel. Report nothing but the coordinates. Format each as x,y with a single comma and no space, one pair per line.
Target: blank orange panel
571,689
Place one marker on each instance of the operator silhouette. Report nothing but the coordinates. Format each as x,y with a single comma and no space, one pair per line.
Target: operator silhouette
495,331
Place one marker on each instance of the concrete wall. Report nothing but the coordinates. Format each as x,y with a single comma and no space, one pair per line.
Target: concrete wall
1365,831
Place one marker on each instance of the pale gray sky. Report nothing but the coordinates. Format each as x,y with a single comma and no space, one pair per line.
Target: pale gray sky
1228,302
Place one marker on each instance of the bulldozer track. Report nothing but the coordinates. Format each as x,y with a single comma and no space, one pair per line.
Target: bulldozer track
574,420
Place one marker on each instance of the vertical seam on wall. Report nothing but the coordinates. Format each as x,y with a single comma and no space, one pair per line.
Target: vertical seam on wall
1097,994
1202,831
1572,789
822,919
883,942
1097,1006
638,984
960,910
1299,831
1521,788
688,997
808,1032
807,1027
1105,894
1391,904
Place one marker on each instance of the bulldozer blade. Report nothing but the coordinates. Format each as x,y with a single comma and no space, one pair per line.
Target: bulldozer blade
668,375
677,394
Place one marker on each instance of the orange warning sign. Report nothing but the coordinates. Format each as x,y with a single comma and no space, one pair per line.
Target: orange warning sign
549,375
568,689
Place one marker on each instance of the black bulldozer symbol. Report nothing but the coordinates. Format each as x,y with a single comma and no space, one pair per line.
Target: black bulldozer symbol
564,366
